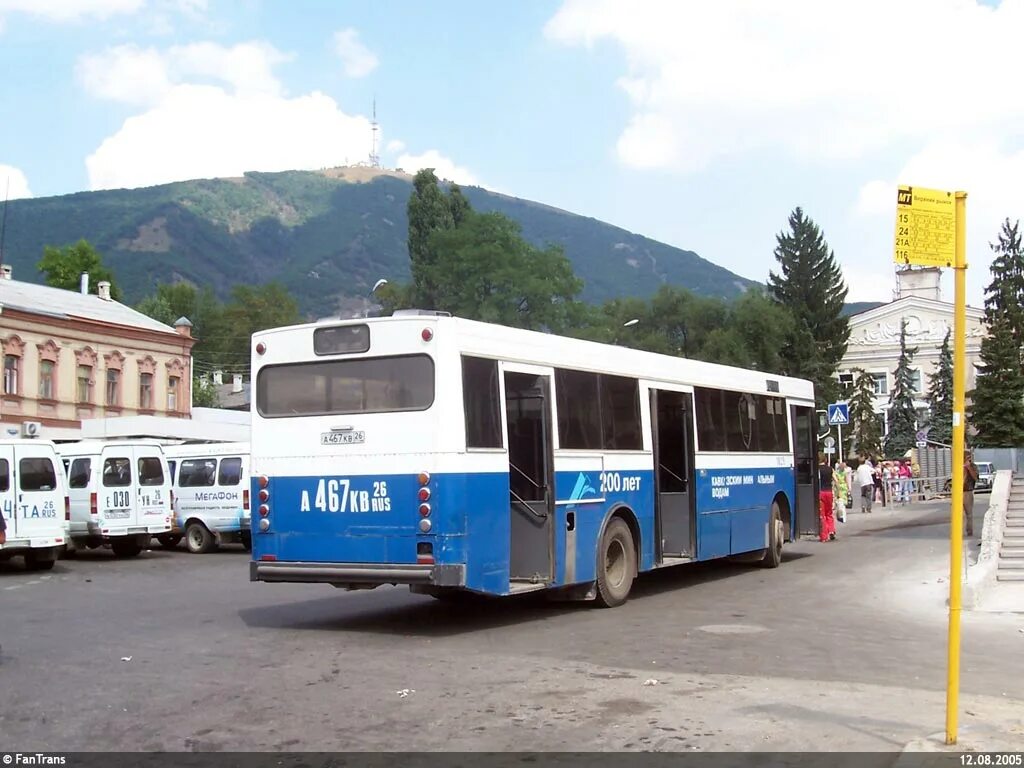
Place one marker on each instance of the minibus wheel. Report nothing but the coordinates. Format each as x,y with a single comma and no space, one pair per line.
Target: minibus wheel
616,564
198,539
36,563
125,547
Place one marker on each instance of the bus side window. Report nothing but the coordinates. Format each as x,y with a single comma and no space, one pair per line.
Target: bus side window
710,421
481,401
5,476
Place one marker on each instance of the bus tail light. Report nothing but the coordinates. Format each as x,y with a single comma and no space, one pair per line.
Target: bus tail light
263,481
264,525
425,553
424,478
425,510
94,508
424,494
67,508
425,525
245,499
264,510
261,348
426,334
264,495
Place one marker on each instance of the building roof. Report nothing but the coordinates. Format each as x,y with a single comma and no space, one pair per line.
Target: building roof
63,304
233,400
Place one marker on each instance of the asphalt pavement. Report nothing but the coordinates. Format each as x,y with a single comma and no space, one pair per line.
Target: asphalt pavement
842,647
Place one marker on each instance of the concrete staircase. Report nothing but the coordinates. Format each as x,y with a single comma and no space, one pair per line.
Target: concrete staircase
1011,553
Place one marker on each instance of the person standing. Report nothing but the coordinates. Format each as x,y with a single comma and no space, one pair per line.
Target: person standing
841,492
906,481
864,479
3,529
825,500
849,485
970,479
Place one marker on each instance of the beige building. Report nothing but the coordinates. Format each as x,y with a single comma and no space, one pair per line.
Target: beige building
874,344
69,356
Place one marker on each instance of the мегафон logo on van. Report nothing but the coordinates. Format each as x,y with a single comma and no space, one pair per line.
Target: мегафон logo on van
218,496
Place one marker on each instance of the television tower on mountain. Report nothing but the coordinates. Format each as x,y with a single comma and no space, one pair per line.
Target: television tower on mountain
374,126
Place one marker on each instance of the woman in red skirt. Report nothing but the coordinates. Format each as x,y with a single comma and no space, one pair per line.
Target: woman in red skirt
825,500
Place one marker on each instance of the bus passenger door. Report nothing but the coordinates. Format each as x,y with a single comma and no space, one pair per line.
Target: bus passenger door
672,429
531,476
805,439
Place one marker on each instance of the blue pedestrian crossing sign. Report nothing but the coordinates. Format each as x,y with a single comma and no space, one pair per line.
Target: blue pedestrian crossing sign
838,413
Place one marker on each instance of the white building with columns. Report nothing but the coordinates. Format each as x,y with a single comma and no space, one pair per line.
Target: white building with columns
874,344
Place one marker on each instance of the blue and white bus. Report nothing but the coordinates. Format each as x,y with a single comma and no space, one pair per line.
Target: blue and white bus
455,455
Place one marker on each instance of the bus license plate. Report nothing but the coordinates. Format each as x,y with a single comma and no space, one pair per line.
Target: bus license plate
342,438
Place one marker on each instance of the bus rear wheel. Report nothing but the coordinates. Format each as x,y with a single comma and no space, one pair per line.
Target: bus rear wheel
616,567
776,535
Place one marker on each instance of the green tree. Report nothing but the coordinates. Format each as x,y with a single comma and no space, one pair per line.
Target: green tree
810,285
204,394
902,415
1004,296
866,437
997,401
485,270
171,301
63,268
252,308
940,397
429,211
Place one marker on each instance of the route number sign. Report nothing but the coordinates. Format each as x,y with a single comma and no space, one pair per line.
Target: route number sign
925,227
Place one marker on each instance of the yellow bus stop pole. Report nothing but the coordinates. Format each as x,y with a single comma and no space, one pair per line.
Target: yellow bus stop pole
956,541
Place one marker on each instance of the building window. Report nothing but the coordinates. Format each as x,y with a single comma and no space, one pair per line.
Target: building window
146,391
881,382
85,383
915,379
46,368
113,387
12,364
172,393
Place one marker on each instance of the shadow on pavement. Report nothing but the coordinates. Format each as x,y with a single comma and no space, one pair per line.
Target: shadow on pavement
396,612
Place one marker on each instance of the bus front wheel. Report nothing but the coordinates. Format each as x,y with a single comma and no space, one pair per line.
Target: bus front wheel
776,534
616,565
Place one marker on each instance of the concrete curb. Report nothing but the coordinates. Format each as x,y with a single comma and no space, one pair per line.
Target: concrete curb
982,574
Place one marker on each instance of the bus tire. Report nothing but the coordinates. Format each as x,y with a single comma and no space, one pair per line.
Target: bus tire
169,540
616,565
772,557
198,539
125,546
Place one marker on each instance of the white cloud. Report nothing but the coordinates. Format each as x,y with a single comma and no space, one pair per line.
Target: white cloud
817,80
210,110
143,76
357,60
202,131
71,10
444,167
394,146
13,183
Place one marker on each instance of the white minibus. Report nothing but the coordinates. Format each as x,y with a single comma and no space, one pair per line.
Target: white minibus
211,496
33,501
120,494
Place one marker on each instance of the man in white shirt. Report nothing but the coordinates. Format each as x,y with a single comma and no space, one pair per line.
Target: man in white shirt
865,479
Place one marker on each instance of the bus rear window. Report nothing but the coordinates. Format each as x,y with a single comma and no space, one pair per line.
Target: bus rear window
366,385
341,340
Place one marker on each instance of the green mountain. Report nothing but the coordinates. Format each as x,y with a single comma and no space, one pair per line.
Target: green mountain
327,235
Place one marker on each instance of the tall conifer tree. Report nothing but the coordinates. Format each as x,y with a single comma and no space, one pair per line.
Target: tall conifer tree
867,437
902,415
940,397
810,285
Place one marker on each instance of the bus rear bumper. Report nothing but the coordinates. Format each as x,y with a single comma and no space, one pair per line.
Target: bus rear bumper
358,573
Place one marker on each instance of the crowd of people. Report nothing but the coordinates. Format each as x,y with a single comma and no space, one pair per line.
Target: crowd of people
877,482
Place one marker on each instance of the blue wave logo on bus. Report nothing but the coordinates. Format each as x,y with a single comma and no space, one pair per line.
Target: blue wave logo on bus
581,489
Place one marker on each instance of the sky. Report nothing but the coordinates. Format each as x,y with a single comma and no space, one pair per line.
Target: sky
701,124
